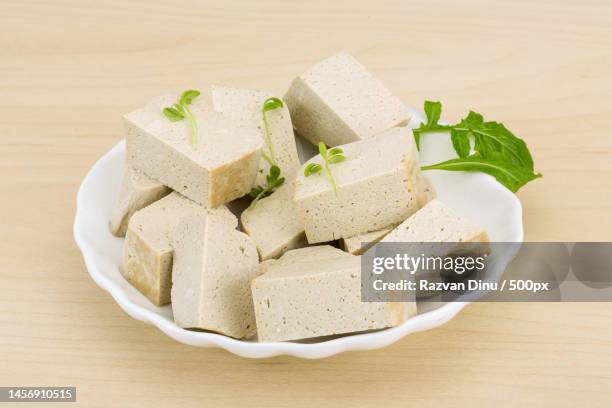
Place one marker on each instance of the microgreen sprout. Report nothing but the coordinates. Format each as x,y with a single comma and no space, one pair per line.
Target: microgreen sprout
180,111
331,156
273,181
269,105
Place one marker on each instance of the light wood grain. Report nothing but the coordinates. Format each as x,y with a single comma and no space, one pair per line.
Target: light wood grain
69,69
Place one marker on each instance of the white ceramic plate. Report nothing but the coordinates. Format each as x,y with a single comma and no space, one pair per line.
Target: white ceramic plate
476,196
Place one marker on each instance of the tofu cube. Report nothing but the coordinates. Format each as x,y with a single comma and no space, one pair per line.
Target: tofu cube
211,276
246,104
137,191
273,224
148,254
221,168
436,222
339,101
379,185
358,244
314,292
438,231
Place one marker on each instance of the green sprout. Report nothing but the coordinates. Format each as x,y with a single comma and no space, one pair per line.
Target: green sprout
273,181
180,111
331,156
269,105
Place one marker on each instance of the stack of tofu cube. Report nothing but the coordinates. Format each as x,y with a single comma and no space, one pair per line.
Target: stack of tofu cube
278,274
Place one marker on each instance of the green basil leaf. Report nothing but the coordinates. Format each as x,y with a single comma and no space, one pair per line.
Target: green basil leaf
493,137
497,151
417,138
461,142
473,119
511,176
433,111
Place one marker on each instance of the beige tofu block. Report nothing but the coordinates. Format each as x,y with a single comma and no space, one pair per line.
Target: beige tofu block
137,191
427,188
147,262
273,224
339,101
377,186
314,292
432,224
359,244
211,276
222,167
436,222
246,104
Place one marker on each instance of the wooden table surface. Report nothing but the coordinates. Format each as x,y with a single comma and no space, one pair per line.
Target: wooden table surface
69,70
